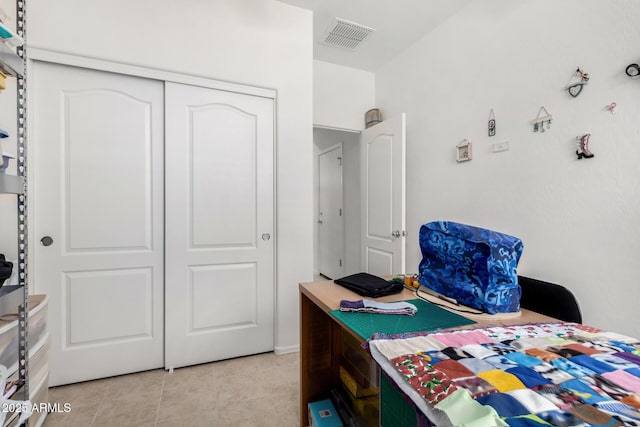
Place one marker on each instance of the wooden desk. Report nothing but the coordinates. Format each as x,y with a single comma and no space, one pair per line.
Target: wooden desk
321,336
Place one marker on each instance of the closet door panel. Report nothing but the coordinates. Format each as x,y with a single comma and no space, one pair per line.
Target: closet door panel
107,143
223,146
223,296
98,194
93,298
219,225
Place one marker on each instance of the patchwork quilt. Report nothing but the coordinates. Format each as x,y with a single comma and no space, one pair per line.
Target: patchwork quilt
551,374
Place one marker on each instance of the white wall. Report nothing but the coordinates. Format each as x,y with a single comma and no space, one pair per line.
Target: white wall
578,219
341,95
323,139
257,42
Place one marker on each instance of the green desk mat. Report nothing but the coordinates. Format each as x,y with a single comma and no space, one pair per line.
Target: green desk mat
429,317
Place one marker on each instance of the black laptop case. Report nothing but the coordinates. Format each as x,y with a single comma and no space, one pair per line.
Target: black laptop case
368,285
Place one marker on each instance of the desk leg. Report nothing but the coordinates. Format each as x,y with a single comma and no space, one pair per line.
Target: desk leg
320,347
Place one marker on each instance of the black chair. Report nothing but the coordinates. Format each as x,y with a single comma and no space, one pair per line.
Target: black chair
549,299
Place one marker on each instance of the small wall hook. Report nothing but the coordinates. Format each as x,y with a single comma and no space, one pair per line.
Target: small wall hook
611,108
583,76
574,88
633,70
542,117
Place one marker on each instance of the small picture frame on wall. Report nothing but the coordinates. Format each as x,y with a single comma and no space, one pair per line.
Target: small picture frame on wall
463,151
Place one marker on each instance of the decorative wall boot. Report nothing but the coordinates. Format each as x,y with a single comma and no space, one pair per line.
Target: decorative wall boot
583,147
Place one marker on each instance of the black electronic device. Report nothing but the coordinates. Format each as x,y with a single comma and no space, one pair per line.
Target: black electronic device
6,268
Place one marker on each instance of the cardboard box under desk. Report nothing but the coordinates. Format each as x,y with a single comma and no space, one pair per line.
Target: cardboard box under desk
357,389
358,363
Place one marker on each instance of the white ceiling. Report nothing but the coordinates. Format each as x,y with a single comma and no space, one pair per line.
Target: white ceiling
398,24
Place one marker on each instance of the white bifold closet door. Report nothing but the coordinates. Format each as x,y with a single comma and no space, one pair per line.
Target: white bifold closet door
219,225
97,194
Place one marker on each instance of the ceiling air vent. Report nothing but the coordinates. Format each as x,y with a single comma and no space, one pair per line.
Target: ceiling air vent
345,34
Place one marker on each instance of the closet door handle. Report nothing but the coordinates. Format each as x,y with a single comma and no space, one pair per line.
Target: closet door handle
46,241
266,236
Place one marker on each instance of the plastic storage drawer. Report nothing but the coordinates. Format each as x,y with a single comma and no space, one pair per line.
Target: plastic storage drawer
39,394
9,330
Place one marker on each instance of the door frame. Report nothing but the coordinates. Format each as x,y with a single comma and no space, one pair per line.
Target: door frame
44,55
320,153
324,136
362,213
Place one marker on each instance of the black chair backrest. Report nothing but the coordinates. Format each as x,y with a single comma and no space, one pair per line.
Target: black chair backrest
549,299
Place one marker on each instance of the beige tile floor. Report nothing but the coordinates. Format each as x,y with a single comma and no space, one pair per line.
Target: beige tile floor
260,390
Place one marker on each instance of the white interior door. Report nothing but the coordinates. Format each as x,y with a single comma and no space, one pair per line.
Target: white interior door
219,225
98,219
330,215
383,197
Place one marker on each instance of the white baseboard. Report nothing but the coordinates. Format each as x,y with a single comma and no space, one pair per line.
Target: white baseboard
279,351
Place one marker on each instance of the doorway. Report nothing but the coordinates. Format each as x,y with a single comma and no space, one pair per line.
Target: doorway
332,246
373,197
330,215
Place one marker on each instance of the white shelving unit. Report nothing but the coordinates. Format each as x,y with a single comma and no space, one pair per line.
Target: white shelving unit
15,302
10,63
10,184
39,346
10,297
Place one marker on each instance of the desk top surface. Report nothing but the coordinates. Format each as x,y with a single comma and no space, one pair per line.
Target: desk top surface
327,295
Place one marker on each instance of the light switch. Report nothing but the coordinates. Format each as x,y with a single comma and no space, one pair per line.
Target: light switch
500,146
